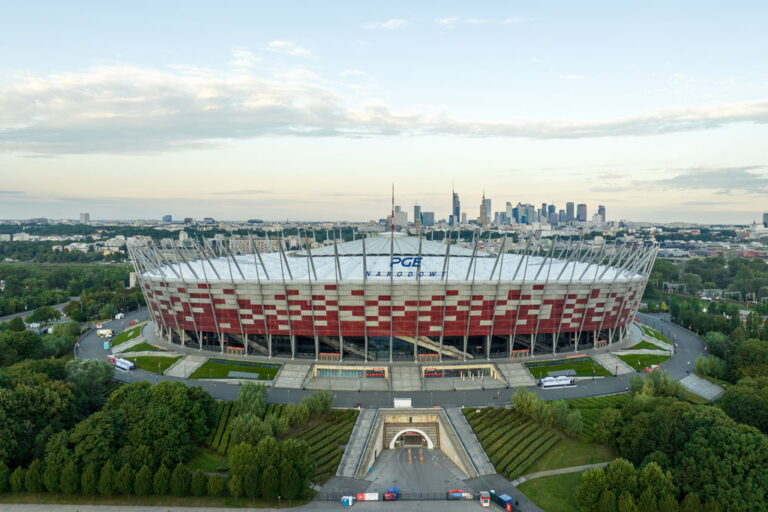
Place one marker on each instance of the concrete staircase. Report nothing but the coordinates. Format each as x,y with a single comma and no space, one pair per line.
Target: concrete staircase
469,440
357,442
611,362
406,378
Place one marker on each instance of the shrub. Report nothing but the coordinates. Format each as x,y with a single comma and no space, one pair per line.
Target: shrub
124,479
70,479
296,414
18,479
89,481
5,477
216,484
161,481
142,484
107,479
712,366
198,484
269,484
51,479
235,486
33,480
180,480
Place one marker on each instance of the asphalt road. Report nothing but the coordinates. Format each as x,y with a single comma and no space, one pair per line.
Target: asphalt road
689,348
25,314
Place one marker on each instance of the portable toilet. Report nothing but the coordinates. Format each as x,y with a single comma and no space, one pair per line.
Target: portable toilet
347,501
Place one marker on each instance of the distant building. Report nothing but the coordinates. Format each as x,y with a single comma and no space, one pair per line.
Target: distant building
255,221
5,237
188,220
581,212
183,236
562,217
417,219
464,217
765,220
208,220
483,219
428,218
400,220
601,212
85,218
167,218
456,210
569,212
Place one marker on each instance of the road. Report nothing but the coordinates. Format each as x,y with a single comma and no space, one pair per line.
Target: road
25,314
689,348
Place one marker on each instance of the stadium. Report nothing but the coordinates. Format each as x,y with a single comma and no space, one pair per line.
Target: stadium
394,297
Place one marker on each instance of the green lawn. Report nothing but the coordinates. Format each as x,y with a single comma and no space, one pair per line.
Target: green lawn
128,334
553,493
582,366
149,363
645,345
640,361
655,334
207,460
220,368
567,453
143,347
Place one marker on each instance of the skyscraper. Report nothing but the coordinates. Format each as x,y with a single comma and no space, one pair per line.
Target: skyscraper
551,214
85,218
483,219
456,209
417,215
428,218
569,216
509,214
581,212
167,218
765,220
543,213
601,212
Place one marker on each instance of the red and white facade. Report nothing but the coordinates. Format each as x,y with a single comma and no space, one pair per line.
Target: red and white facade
401,297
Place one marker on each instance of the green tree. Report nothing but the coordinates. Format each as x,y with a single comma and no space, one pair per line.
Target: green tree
180,480
199,484
33,480
235,486
252,398
626,503
269,484
288,480
690,503
124,479
18,479
5,477
70,479
216,485
51,479
142,484
106,484
162,480
43,314
607,502
17,325
89,481
251,482
647,500
668,504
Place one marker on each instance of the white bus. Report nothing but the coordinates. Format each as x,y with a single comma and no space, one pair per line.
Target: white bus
557,382
124,364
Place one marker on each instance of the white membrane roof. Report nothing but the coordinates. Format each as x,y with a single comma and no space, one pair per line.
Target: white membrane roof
403,265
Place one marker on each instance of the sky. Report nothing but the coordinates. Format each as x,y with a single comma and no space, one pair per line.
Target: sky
312,110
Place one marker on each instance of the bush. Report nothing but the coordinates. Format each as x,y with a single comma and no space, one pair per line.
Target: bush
18,479
124,480
216,484
180,481
162,480
89,481
248,428
269,484
51,479
70,479
296,414
107,479
199,484
33,480
5,477
142,484
712,366
252,399
318,403
235,486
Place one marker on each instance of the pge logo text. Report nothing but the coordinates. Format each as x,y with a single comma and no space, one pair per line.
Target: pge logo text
406,262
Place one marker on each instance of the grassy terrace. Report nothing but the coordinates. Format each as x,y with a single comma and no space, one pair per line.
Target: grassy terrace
128,334
220,368
641,361
143,347
150,363
582,366
647,345
655,334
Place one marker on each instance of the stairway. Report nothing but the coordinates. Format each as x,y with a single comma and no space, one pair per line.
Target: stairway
356,444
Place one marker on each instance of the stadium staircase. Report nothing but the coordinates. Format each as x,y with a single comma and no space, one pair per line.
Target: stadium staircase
427,343
470,442
347,348
353,452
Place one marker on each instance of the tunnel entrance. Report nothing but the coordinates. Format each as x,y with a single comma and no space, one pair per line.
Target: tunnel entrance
411,439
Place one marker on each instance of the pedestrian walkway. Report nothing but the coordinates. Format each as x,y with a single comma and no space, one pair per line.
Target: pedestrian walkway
185,366
516,374
469,440
702,387
406,378
613,364
356,444
561,471
292,375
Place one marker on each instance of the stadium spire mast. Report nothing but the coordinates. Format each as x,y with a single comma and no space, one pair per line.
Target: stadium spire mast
393,209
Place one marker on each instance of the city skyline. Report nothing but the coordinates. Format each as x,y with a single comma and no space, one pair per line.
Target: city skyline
294,112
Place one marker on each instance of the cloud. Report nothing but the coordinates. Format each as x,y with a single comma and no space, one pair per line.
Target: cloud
141,110
243,58
722,180
249,192
452,21
571,76
12,192
288,48
391,24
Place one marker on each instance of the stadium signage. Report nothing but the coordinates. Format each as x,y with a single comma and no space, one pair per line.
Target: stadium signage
421,273
406,262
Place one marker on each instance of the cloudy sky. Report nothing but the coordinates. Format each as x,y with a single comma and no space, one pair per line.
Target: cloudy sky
311,110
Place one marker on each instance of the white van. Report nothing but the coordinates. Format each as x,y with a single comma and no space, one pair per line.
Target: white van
124,364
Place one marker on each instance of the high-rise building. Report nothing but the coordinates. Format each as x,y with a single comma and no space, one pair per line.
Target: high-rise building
765,220
417,215
551,214
543,213
581,212
487,204
188,220
464,217
569,212
167,218
85,218
483,219
456,209
601,212
509,217
401,218
428,218
562,218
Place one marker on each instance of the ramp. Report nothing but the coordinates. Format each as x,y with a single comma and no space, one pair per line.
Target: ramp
702,387
468,438
353,452
611,363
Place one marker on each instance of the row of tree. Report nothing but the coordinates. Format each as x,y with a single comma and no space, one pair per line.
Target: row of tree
42,252
104,305
555,413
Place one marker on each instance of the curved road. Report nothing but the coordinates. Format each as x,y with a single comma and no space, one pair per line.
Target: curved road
678,366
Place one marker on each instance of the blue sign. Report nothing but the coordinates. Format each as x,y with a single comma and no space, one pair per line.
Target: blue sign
408,261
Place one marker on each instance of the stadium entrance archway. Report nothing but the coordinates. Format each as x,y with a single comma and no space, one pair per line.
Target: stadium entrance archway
411,438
